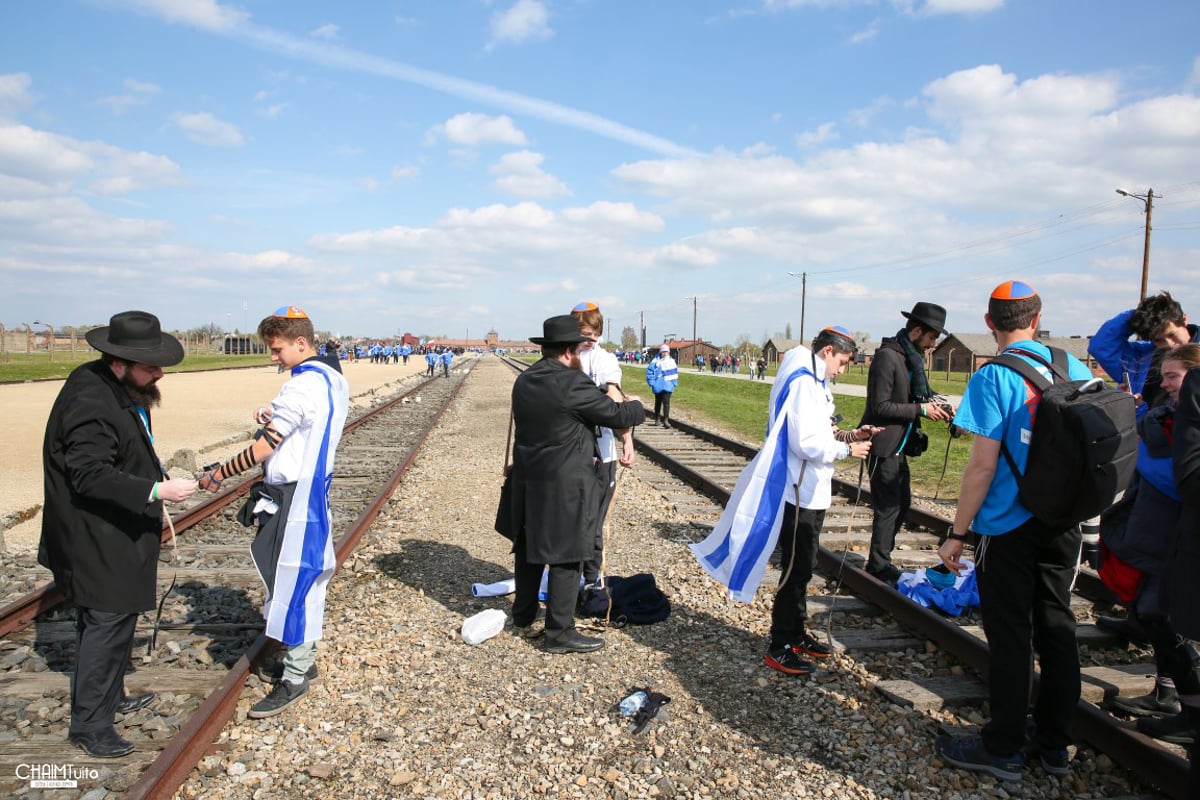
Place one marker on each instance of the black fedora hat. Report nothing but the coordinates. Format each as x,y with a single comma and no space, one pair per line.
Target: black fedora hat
930,315
562,329
137,336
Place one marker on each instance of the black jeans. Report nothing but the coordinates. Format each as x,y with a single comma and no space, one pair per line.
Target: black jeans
1025,580
662,405
562,592
891,498
798,535
103,640
591,567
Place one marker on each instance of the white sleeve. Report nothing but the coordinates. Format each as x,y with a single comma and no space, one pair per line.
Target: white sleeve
290,407
608,369
810,428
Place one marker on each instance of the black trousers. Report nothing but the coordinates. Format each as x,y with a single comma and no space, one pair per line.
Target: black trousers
103,641
562,592
1025,580
891,498
798,535
591,567
662,405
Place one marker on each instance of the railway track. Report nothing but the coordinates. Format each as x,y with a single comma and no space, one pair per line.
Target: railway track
208,642
710,464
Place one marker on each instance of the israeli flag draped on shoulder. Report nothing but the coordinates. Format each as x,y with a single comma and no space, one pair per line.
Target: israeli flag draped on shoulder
306,561
737,550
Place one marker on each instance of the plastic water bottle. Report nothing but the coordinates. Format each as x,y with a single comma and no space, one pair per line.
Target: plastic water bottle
483,626
1090,532
630,705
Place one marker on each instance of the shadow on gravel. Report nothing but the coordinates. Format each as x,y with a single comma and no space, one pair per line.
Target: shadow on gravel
445,573
718,664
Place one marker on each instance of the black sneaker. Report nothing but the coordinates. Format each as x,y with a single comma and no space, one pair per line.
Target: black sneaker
1177,729
785,659
274,673
808,646
283,695
1153,704
968,752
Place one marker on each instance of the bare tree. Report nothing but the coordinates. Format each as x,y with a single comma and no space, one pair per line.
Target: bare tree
629,339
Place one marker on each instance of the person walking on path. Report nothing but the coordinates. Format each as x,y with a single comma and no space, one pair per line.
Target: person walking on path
898,398
102,517
293,550
662,375
557,482
1025,567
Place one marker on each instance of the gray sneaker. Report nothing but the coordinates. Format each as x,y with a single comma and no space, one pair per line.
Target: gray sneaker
282,695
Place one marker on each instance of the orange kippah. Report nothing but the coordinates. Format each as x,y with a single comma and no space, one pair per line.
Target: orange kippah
290,312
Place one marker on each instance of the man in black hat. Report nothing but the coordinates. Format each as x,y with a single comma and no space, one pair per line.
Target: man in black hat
898,397
558,481
102,519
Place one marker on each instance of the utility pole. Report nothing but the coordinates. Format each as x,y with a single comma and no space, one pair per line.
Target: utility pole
693,299
803,276
1148,199
642,326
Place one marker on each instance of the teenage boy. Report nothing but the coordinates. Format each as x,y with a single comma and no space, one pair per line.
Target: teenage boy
603,369
293,550
1159,324
783,494
1025,567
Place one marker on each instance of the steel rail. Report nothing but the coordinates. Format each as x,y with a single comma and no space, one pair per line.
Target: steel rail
174,764
1138,753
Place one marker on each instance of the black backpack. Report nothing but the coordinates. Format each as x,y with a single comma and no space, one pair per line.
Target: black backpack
1083,451
636,600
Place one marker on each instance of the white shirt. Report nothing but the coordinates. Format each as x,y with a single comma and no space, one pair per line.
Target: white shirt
602,368
812,447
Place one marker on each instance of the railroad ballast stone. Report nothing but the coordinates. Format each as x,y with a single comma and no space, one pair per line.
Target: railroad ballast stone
406,709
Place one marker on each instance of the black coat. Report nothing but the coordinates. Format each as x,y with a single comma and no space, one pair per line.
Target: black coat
1182,590
100,536
888,404
557,479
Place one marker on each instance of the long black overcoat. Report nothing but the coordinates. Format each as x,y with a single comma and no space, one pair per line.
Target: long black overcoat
1182,588
557,482
100,536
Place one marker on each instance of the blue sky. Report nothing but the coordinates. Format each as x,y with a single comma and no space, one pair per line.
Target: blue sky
447,167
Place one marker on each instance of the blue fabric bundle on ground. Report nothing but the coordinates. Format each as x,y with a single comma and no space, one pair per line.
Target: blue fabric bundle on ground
953,600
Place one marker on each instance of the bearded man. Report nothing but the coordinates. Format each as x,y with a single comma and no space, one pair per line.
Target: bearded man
102,518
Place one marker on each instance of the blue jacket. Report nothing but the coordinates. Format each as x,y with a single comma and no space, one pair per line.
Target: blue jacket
1122,357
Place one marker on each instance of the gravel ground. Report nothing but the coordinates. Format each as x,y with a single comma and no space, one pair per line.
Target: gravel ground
404,708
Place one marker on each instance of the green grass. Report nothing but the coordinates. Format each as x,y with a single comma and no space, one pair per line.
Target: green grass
741,407
39,367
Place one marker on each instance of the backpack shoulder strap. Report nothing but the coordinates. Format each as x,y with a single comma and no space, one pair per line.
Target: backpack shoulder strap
1024,368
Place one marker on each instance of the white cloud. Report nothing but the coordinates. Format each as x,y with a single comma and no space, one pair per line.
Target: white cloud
59,162
328,31
138,94
405,172
273,111
607,214
526,20
14,93
564,285
204,128
474,129
369,185
936,7
521,174
684,254
206,14
866,34
825,132
1194,78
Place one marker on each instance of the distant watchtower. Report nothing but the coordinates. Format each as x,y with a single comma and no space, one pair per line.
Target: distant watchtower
492,339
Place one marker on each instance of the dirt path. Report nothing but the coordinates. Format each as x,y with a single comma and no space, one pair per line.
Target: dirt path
207,413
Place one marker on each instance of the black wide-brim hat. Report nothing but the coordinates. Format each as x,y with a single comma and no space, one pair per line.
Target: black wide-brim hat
137,336
930,315
563,329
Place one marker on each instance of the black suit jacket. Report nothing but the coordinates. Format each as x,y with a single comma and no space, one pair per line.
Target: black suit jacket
100,536
557,482
887,399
